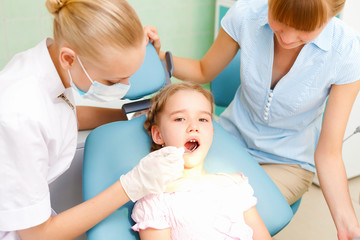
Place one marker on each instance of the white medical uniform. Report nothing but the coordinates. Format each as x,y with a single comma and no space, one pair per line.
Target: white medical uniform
38,137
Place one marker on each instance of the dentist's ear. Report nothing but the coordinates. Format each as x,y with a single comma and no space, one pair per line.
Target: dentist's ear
156,135
66,57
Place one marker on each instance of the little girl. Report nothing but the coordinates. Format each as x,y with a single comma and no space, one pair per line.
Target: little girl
198,205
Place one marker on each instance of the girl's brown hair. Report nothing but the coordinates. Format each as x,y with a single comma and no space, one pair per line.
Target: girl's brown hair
89,25
158,103
304,15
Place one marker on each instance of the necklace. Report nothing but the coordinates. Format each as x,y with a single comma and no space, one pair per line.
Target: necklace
63,97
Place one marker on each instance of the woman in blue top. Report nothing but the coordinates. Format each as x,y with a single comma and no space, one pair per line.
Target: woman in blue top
294,55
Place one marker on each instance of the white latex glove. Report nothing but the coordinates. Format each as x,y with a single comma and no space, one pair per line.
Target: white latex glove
154,172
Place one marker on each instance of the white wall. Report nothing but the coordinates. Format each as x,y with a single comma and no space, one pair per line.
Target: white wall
351,147
351,14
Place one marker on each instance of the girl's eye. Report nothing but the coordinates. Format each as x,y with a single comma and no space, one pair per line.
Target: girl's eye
179,119
203,120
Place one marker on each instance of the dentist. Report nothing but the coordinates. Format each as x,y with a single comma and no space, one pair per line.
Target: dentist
97,46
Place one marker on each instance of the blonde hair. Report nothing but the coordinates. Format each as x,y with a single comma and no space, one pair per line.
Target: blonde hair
158,103
88,25
304,15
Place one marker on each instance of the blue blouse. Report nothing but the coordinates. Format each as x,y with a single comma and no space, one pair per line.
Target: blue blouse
283,125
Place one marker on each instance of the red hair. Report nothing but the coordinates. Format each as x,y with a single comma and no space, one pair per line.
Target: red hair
304,15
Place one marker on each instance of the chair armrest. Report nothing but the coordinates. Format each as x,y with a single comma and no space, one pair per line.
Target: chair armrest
169,63
136,106
168,66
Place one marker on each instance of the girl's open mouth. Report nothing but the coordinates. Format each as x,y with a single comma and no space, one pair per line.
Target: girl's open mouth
191,145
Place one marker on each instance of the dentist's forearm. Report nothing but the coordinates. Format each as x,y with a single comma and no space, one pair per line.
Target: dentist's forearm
77,220
92,117
86,215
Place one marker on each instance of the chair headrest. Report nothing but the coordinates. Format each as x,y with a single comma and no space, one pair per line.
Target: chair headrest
150,77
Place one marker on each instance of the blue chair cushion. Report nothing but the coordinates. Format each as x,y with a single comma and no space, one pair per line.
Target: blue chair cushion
149,78
224,85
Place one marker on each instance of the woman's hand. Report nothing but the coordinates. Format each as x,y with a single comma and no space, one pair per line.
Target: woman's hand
329,163
354,234
152,35
154,172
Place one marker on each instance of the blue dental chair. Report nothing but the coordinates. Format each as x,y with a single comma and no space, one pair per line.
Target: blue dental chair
114,149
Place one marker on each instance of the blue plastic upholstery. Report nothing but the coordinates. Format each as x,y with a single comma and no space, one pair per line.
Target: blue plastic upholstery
149,78
224,86
295,206
115,148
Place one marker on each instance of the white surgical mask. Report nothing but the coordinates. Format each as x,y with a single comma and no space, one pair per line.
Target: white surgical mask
100,92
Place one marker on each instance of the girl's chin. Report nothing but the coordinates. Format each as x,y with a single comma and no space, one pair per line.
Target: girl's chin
190,161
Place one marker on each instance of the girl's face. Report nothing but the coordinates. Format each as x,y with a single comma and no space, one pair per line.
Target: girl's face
290,38
114,66
186,122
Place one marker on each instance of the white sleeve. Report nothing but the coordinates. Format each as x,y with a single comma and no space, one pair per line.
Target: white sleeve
348,67
150,212
234,18
248,199
24,161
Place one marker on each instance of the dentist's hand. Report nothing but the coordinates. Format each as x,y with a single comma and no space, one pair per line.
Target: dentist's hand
152,35
153,172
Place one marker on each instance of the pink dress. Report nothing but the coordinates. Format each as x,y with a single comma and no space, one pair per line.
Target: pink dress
208,214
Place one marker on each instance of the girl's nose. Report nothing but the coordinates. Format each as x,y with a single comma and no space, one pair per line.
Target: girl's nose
193,127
